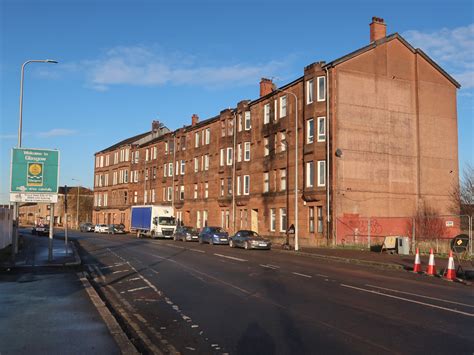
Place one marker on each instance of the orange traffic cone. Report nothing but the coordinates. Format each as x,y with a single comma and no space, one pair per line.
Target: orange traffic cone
417,266
431,271
451,271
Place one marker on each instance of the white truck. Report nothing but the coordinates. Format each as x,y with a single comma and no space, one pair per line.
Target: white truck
153,221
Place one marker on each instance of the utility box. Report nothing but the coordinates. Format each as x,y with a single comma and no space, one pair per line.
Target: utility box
403,245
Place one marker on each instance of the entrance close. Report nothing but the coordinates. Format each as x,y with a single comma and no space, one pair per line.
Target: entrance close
254,220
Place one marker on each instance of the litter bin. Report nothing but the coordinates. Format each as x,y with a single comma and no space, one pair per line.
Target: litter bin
403,245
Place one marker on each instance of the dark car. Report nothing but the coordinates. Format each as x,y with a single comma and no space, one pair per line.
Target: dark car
214,235
116,229
41,229
249,240
86,227
186,234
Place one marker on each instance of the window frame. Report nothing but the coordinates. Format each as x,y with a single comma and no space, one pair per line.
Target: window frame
321,137
320,97
323,164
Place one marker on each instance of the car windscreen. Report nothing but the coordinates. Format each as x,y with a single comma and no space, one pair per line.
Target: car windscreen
217,230
167,221
190,230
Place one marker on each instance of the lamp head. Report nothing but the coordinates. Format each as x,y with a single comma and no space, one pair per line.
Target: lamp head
51,61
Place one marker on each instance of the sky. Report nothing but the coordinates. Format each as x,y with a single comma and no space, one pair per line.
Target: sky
124,63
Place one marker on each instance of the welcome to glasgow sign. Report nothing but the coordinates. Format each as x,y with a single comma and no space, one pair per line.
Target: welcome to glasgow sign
34,175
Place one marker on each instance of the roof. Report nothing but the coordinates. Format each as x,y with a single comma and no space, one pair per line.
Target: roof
124,142
384,40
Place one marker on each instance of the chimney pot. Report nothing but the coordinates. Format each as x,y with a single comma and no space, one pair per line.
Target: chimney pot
155,126
378,29
266,86
194,119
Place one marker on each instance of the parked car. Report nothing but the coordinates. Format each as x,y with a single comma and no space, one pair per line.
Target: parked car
186,234
86,227
116,229
213,235
101,228
249,240
40,230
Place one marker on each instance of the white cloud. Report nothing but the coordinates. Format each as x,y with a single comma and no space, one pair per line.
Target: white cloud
141,66
56,132
451,48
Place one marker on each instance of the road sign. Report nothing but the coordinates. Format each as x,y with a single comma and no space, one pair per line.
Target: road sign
34,175
291,230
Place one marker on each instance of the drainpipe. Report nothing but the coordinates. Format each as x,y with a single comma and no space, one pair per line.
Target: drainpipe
328,195
233,174
174,172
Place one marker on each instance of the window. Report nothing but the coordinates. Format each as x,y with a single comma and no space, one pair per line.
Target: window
266,182
283,220
321,88
203,137
146,154
206,162
239,119
145,196
196,164
164,193
137,156
230,127
282,141
239,187
229,186
183,166
181,192
127,152
320,219
266,146
322,173
155,153
196,139
309,92
166,147
222,157
272,219
309,131
247,151
204,218
101,161
170,169
266,114
282,106
198,219
154,172
246,184
177,168
153,195
116,157
170,193
146,174
282,179
223,128
195,195
222,187
208,135
107,160
248,123
206,189
321,129
135,197
309,174
239,152
165,170
229,156
311,219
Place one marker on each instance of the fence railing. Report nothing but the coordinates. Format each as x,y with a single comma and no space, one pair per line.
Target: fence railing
425,232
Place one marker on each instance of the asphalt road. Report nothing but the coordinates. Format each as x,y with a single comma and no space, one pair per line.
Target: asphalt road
203,299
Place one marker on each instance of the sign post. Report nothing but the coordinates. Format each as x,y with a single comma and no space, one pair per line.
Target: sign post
35,178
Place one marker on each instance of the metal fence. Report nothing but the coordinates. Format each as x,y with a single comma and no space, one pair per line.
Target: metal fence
6,227
425,232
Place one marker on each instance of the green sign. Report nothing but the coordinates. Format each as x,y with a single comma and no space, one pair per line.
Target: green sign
34,171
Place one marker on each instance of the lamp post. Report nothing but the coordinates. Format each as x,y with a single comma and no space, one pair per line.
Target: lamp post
20,124
296,165
77,203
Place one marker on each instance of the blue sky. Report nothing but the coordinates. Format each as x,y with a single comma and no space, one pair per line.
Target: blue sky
125,63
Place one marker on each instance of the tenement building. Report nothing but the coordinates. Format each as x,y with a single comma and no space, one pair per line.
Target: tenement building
373,133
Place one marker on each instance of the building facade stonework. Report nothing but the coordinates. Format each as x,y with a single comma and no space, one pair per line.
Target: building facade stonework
377,136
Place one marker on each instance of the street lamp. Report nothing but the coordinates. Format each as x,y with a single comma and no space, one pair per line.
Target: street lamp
77,202
296,165
16,212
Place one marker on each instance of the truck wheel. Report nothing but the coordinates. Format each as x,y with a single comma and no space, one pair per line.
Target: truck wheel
138,234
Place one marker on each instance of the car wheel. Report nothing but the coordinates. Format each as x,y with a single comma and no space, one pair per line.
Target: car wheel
247,246
231,243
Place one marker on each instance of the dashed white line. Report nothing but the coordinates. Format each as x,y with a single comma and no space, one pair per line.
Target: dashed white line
408,300
303,275
421,296
197,250
120,271
268,266
321,275
229,257
138,289
134,279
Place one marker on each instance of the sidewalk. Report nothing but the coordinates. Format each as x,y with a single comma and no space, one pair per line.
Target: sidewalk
45,308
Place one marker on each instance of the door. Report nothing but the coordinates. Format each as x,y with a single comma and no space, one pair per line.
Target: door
254,220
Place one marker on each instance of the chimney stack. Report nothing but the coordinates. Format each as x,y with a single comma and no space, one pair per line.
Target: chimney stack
155,126
378,29
266,86
194,119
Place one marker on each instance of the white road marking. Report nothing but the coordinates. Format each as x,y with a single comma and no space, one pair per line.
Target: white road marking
321,275
134,279
197,250
408,300
138,289
273,267
421,296
156,272
303,275
229,257
120,271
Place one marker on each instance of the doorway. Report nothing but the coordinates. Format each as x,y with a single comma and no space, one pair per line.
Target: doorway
254,220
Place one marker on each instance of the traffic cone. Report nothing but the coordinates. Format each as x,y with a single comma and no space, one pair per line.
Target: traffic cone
431,271
417,266
451,271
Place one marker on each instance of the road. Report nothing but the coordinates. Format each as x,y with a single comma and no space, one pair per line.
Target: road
202,299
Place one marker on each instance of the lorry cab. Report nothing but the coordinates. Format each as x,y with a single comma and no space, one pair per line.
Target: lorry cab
153,221
164,227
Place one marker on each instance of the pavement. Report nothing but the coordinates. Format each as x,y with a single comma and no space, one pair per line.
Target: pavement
46,305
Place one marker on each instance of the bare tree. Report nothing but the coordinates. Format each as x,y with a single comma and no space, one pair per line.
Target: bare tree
463,194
